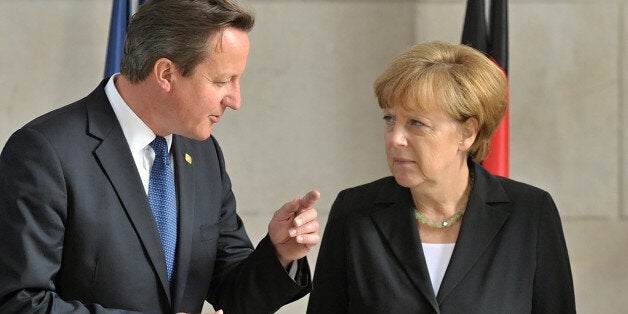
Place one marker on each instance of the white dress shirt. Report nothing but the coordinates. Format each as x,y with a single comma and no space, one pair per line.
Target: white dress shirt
138,135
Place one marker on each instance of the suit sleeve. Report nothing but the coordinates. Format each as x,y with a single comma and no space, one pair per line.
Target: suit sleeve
33,210
329,289
553,283
247,280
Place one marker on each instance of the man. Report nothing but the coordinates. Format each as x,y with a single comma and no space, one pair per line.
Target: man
120,202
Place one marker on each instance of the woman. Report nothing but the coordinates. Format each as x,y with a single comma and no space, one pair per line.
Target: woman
442,235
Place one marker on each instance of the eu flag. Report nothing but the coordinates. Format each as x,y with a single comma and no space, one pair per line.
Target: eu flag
120,16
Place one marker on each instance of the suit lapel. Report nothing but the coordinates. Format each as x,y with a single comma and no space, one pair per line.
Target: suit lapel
184,172
117,162
481,223
397,226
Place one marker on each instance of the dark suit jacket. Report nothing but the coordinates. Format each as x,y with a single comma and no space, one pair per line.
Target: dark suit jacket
510,256
77,232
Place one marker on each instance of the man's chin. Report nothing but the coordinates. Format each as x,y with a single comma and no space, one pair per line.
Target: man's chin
199,135
203,137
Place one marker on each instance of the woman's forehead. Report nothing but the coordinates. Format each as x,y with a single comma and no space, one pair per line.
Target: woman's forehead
419,98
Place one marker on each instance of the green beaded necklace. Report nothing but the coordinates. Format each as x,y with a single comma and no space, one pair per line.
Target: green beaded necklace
444,224
418,215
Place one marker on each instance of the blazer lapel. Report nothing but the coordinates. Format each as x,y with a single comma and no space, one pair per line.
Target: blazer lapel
117,162
184,174
397,226
481,223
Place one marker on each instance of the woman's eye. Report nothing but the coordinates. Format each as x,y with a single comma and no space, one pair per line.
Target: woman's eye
416,123
388,119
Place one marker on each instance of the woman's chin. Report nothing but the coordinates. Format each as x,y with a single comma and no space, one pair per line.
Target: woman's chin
405,181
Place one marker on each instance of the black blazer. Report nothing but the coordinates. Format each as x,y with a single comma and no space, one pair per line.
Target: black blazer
510,256
77,233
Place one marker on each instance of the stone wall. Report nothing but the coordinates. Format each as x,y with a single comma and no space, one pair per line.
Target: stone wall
309,118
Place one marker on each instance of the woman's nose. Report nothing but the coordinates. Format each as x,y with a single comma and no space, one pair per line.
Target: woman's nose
397,136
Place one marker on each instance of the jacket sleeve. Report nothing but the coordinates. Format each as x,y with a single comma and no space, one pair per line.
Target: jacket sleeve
33,211
247,280
553,283
329,289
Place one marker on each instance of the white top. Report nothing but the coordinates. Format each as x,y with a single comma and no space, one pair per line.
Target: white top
437,256
136,132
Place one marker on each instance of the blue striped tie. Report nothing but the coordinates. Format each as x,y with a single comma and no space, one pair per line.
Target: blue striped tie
163,200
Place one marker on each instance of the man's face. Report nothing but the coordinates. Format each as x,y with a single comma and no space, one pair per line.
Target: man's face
199,100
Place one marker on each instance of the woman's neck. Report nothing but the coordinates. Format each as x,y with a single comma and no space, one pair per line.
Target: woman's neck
440,199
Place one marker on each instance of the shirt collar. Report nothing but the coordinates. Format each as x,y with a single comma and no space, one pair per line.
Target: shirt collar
138,135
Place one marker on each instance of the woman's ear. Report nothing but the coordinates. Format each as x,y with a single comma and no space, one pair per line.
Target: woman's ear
469,132
164,71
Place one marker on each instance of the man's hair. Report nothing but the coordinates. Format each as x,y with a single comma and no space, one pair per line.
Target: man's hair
178,30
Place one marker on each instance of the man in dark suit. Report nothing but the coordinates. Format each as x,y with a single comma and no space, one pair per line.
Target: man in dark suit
80,230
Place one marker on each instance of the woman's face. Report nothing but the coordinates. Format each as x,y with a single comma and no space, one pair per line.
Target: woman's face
423,146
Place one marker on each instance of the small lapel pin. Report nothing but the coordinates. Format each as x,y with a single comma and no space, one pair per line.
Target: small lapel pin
188,158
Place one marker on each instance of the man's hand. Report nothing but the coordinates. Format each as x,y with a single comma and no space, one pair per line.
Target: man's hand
294,229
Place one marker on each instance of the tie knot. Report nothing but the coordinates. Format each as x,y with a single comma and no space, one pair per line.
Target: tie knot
160,146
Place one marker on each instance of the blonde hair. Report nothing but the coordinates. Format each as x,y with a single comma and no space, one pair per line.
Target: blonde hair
459,78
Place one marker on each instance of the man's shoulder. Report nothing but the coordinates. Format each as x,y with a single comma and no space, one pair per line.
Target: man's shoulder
72,114
60,116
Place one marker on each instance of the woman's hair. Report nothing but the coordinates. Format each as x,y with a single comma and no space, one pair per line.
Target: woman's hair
178,30
459,78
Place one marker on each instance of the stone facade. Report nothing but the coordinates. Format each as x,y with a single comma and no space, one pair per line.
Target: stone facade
309,118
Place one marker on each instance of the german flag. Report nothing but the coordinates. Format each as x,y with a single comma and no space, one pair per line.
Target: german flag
492,39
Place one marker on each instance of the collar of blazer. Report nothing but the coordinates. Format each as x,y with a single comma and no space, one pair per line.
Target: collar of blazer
116,160
487,189
487,211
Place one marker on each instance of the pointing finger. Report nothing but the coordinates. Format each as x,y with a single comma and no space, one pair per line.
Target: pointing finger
310,198
287,210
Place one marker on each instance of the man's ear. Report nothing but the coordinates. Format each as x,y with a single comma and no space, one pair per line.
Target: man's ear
164,72
469,132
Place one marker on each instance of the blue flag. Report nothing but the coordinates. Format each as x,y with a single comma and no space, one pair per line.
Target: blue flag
120,16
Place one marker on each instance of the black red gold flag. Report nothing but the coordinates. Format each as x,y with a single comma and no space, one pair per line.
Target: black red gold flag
492,39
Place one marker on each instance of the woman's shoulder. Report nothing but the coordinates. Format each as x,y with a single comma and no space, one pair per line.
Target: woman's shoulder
512,187
518,197
358,198
369,191
515,188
